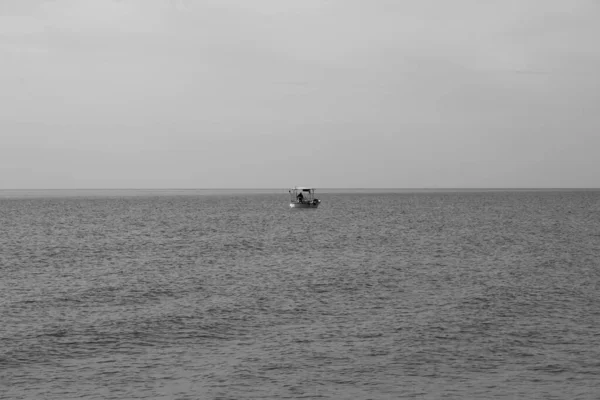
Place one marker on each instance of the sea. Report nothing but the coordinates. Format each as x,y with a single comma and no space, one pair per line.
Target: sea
230,294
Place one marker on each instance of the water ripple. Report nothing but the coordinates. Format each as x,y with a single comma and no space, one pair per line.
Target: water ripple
379,296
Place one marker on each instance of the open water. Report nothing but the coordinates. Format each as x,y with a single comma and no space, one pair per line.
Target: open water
230,295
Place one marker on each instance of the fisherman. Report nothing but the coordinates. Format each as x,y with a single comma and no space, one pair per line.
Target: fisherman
300,197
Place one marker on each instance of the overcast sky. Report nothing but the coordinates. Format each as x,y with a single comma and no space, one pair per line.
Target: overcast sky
276,93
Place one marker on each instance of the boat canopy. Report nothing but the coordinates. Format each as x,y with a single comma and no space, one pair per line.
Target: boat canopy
303,188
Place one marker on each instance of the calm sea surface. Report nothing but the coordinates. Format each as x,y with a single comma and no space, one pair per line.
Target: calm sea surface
231,295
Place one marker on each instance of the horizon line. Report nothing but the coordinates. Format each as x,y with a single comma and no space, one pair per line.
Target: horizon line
322,188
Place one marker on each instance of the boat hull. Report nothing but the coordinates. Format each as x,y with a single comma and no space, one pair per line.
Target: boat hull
304,205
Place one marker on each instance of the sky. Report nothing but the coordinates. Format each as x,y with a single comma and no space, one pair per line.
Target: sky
278,93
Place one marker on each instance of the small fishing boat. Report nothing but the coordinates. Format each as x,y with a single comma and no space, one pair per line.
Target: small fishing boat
303,197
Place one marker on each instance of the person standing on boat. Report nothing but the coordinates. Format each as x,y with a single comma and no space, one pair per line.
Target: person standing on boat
300,197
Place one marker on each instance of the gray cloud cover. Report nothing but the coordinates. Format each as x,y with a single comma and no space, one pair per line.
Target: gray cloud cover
273,93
